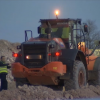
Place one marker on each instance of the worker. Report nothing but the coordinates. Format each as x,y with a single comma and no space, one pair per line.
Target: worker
3,73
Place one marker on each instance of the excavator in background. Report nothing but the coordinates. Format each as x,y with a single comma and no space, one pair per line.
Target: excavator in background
59,56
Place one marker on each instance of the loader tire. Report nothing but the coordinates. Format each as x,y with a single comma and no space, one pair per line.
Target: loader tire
21,81
18,83
97,81
79,77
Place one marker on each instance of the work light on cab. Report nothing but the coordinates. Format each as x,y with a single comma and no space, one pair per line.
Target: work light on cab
57,12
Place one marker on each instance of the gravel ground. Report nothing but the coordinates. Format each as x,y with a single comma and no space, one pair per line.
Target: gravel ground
44,93
39,92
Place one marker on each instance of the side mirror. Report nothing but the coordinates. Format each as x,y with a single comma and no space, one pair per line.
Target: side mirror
97,42
19,47
85,28
39,30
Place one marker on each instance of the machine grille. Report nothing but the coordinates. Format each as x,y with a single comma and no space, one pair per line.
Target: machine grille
34,49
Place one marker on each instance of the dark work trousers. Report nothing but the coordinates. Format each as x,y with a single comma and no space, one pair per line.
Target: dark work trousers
3,81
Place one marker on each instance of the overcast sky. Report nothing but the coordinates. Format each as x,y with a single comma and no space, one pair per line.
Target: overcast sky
16,16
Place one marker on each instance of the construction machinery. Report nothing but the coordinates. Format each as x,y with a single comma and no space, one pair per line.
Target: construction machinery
59,56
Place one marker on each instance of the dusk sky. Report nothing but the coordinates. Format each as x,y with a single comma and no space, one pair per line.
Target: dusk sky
16,16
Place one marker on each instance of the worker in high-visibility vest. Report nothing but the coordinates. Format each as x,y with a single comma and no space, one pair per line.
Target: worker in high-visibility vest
3,73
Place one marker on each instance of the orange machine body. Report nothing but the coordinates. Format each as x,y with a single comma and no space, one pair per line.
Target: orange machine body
46,75
43,66
89,59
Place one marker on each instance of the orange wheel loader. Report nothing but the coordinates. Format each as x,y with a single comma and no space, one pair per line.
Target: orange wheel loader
59,56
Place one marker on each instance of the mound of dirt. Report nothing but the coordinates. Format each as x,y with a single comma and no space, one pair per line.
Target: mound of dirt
6,49
44,93
38,92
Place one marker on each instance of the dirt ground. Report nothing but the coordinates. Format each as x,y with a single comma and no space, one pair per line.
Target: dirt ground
39,92
44,93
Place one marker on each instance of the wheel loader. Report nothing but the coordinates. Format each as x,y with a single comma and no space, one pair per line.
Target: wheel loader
59,56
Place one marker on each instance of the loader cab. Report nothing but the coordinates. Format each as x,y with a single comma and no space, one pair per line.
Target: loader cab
66,29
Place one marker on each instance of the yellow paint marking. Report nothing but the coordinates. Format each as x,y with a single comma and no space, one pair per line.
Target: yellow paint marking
54,68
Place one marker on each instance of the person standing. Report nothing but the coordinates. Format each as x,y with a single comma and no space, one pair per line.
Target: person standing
3,73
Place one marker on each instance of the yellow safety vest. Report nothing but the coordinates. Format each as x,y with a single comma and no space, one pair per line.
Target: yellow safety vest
3,69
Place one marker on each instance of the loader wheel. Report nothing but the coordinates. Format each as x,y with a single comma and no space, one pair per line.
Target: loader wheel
21,81
97,80
79,77
18,83
56,87
98,77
